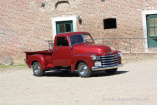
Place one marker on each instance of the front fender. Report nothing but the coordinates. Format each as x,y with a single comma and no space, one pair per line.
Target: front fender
82,57
39,58
119,58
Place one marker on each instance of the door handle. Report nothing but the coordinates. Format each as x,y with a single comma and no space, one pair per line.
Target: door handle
55,49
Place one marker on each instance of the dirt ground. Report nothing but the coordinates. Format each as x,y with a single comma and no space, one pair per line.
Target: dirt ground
134,84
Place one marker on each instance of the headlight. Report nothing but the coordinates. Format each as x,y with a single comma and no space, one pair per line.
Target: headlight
120,53
93,57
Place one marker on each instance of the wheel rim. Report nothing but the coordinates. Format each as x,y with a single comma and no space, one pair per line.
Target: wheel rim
83,70
37,69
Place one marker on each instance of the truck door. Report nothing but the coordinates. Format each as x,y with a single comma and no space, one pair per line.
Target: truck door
62,52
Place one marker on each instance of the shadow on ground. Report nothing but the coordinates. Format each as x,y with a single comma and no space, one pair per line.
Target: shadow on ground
75,74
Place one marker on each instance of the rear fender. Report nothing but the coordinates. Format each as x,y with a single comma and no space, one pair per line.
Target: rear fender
39,58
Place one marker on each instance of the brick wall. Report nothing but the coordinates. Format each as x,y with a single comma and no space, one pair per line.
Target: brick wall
26,24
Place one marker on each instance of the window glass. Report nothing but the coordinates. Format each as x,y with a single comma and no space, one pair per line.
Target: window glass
61,28
87,38
156,31
68,27
155,21
62,41
151,20
76,39
152,31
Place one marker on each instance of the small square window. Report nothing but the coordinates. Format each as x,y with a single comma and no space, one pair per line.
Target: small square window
110,23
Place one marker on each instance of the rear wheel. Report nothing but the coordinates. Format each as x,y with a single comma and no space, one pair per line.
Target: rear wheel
83,70
111,71
37,69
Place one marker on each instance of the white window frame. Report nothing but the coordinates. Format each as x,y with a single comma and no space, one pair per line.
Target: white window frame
59,19
144,20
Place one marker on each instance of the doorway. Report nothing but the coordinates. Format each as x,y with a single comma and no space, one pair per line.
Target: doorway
152,30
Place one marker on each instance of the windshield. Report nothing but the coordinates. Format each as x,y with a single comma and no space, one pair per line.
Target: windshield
80,38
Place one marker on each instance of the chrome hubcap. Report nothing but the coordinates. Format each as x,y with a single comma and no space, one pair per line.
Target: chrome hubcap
36,68
84,70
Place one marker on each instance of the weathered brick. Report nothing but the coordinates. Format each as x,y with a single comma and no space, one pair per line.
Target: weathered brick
26,24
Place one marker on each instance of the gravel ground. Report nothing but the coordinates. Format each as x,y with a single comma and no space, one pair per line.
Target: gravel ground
133,84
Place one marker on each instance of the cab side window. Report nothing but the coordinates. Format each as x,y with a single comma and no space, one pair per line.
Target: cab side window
62,41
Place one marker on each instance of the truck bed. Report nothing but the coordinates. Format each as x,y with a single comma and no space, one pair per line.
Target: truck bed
40,52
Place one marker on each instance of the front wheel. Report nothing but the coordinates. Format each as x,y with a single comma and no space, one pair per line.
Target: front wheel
37,69
111,71
83,70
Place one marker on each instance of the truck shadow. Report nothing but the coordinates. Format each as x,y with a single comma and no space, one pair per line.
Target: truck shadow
103,73
75,74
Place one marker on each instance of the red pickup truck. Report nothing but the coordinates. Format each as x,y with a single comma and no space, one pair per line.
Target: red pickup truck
74,51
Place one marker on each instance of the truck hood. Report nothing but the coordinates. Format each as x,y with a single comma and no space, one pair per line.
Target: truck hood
91,48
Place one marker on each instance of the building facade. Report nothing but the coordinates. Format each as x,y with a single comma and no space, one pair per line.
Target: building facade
25,25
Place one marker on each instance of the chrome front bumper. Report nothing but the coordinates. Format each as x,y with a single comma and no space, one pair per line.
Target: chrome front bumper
100,68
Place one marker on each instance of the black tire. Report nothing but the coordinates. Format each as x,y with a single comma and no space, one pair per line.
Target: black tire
83,70
111,71
37,69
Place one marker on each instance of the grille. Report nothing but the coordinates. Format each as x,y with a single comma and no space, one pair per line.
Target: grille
108,60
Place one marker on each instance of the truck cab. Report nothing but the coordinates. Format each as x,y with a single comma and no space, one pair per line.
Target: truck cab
75,51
